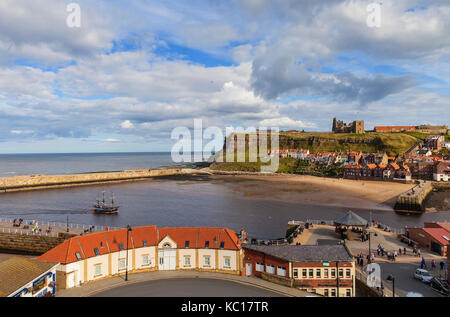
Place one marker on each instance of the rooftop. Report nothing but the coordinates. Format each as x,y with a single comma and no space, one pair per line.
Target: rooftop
23,271
304,253
91,245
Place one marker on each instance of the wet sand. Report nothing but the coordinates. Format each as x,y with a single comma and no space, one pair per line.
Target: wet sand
316,190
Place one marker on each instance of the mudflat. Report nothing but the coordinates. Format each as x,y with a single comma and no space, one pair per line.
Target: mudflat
316,190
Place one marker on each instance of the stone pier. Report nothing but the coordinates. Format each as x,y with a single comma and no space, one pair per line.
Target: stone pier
413,199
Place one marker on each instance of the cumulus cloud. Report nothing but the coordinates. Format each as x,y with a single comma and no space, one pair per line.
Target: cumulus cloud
293,64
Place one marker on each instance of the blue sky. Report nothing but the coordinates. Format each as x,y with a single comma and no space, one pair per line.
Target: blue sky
133,72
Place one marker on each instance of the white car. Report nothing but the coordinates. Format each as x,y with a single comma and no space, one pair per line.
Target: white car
423,275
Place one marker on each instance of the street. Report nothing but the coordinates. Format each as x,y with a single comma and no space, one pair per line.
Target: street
187,287
404,280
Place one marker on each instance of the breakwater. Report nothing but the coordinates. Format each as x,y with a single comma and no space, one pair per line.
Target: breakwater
32,182
412,200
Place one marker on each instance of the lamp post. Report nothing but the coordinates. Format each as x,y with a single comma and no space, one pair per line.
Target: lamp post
392,278
126,267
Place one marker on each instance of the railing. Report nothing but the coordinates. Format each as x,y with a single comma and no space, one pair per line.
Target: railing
28,232
59,224
331,223
321,222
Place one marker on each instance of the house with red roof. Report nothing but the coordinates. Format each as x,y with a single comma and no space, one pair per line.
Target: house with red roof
104,254
433,236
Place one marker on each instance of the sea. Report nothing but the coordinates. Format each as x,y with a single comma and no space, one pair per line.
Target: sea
164,202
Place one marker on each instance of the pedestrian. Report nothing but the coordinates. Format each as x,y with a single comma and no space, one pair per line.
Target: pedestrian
418,253
433,264
404,251
423,264
399,251
441,265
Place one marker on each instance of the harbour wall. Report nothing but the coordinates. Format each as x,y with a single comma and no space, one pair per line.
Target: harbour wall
413,199
33,182
28,244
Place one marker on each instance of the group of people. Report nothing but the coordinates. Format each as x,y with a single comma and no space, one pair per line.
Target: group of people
34,225
17,223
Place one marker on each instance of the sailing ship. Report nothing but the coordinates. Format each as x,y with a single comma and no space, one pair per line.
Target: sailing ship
102,208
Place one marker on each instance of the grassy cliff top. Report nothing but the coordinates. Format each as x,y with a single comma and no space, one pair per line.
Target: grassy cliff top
391,143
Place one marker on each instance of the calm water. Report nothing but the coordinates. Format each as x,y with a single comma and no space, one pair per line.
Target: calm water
162,202
181,203
51,164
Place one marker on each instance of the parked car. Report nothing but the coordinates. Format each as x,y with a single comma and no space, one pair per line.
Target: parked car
423,275
441,285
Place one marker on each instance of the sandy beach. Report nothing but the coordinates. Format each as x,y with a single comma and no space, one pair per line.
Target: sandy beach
316,190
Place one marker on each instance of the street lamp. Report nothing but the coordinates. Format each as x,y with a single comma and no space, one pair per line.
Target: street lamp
392,278
126,268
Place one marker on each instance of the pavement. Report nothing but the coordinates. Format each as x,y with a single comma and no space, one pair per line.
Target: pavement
119,283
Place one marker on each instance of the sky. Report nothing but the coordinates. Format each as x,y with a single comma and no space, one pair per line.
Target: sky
134,71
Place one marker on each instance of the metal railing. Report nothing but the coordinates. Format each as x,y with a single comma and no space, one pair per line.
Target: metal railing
331,223
53,224
29,232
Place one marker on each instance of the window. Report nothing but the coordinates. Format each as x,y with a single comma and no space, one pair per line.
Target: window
348,293
333,272
295,273
144,243
259,267
341,273
318,273
347,273
207,261
122,264
325,292
145,260
78,255
206,244
304,272
186,244
187,261
222,244
325,273
227,262
333,293
98,270
96,251
270,269
121,246
281,271
311,273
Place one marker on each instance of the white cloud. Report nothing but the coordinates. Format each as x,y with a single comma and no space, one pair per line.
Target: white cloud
127,124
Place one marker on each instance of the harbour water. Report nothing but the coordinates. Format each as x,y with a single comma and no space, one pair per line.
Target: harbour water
54,164
167,202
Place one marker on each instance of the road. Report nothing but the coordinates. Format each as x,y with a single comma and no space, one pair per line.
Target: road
187,287
404,281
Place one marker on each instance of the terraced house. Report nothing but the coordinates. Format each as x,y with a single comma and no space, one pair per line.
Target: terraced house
327,270
101,255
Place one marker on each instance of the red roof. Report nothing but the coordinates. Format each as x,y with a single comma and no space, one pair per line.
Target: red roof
438,234
109,241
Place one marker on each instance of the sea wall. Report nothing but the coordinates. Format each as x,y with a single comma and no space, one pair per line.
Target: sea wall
28,244
29,182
